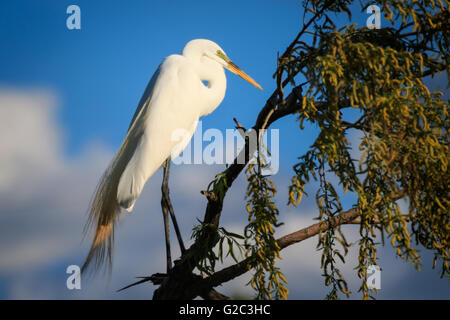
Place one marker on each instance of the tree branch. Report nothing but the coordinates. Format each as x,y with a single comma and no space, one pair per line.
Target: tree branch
214,295
245,265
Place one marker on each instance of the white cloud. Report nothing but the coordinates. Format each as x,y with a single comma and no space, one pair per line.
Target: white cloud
40,190
27,146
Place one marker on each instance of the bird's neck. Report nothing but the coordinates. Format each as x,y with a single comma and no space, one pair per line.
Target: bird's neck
214,91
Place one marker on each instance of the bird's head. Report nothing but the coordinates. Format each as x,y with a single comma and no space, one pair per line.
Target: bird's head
211,50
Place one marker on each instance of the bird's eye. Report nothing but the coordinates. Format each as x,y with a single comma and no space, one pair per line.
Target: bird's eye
222,55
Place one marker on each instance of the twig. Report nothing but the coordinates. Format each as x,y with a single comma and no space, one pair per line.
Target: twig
157,278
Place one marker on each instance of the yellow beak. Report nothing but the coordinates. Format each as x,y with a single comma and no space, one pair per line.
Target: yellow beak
236,70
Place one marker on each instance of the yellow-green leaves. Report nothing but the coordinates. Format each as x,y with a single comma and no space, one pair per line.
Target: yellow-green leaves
267,280
404,129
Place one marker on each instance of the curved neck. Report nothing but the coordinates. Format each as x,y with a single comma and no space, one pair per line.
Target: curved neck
214,91
217,84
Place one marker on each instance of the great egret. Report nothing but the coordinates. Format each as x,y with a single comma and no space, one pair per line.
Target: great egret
175,98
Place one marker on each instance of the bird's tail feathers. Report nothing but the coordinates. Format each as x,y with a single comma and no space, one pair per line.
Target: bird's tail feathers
105,211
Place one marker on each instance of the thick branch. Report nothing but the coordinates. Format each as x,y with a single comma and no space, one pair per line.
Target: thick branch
242,267
214,295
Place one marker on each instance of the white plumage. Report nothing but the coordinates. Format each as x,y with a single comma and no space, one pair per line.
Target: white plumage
173,102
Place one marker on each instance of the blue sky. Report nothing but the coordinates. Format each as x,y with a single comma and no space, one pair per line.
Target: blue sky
101,70
66,99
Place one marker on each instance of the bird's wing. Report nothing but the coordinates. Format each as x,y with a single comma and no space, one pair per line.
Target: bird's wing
165,106
165,114
143,103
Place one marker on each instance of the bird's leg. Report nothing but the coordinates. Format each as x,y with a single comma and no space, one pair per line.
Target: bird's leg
168,203
166,230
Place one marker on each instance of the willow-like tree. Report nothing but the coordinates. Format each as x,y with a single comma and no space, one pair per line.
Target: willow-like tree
324,72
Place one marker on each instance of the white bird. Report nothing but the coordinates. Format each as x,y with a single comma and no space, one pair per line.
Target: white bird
175,98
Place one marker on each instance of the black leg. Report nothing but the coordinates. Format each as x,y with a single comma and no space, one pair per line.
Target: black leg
167,234
168,203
